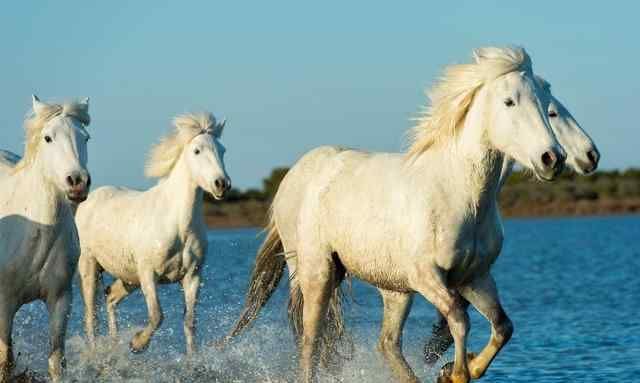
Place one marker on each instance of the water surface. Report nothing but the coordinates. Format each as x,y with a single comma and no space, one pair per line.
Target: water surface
570,285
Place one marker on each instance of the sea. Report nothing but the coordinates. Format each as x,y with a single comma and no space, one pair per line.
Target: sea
570,285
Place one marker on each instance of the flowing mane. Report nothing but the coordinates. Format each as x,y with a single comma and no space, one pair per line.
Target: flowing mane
35,122
164,155
451,97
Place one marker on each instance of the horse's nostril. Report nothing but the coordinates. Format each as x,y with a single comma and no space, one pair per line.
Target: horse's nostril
593,156
70,181
549,159
219,183
88,181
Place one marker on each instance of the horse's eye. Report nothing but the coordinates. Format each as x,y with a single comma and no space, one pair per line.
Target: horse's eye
47,139
509,102
553,113
196,152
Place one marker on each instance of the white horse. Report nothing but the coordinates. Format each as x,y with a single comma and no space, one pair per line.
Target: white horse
426,221
39,246
582,157
143,238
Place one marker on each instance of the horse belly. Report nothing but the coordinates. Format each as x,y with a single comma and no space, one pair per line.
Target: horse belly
119,264
379,271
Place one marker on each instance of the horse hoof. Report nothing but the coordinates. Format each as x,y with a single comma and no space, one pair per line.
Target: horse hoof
445,373
137,348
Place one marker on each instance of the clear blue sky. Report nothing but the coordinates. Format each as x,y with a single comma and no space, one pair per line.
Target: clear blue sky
293,75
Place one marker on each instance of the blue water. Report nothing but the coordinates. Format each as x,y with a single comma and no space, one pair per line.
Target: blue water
570,285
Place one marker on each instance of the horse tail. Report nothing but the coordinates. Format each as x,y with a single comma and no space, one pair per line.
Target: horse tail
334,334
266,275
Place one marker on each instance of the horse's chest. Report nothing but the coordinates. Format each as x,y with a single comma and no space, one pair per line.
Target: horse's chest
179,260
44,262
475,256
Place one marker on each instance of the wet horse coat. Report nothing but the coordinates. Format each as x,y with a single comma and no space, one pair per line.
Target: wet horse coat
145,238
39,246
425,221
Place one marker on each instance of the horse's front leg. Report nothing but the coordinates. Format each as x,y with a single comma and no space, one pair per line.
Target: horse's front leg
483,295
115,293
59,306
190,285
396,309
440,339
148,285
7,312
88,273
430,282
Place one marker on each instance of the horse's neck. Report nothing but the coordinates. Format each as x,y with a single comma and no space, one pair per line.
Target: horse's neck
42,202
473,179
183,196
468,165
507,168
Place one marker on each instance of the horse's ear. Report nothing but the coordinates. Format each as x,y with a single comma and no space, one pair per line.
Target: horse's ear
219,128
84,102
37,105
477,55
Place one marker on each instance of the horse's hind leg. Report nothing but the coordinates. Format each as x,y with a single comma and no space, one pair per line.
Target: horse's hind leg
430,282
148,285
7,312
59,306
190,285
483,295
115,293
88,272
316,276
396,309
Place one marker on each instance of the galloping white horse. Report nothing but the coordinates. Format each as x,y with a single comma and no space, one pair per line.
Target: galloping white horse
155,236
39,246
582,157
425,221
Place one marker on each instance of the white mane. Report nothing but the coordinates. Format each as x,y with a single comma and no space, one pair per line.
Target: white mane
35,122
164,155
451,97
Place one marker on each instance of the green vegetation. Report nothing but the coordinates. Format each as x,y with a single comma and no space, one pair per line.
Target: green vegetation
268,191
244,208
605,192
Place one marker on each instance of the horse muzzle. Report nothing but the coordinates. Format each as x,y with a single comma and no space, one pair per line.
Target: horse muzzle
222,186
78,186
550,166
589,165
77,195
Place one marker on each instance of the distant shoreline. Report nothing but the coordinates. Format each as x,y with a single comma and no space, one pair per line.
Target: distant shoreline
252,213
603,193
